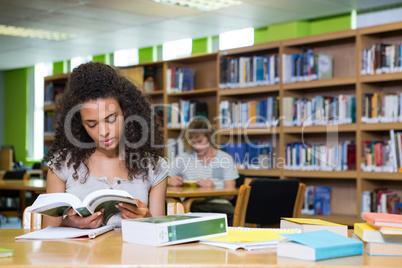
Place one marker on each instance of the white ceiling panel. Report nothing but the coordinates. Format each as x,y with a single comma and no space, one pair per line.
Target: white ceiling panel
103,26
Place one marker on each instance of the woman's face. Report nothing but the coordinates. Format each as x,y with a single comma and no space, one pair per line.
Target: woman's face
200,143
103,120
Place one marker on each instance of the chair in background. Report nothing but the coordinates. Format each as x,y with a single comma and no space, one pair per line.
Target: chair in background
6,159
240,211
271,199
12,202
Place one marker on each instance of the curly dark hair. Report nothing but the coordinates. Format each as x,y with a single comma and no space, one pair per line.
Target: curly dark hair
95,80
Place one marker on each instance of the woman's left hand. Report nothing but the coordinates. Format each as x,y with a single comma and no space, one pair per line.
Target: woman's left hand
129,211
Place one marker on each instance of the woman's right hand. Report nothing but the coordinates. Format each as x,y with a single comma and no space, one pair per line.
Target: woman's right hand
175,181
89,222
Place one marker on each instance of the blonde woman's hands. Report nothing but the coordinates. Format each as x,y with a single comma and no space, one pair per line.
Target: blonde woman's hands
205,183
175,181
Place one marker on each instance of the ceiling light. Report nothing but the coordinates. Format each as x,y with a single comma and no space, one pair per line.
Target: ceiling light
203,5
33,33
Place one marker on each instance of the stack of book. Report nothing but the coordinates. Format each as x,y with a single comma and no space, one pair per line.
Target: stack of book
381,234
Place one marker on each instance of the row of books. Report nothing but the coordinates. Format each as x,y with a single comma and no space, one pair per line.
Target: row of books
252,155
306,66
383,156
381,58
248,71
302,156
48,123
319,110
254,113
53,92
381,234
382,107
179,114
381,200
317,200
179,79
175,147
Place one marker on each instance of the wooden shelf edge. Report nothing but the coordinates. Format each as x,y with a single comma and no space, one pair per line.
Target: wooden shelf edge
48,138
345,34
248,90
57,77
155,93
381,175
248,131
251,49
381,77
50,107
321,174
380,126
207,91
321,129
338,81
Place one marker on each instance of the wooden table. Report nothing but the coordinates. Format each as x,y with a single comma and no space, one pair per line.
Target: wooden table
190,194
109,250
35,185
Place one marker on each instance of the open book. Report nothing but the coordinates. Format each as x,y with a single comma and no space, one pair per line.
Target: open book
60,233
249,238
57,204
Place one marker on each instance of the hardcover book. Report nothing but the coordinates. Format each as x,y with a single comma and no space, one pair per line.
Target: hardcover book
318,245
309,225
174,229
368,233
57,204
383,219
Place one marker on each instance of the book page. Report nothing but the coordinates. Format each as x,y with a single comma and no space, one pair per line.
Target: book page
54,204
57,233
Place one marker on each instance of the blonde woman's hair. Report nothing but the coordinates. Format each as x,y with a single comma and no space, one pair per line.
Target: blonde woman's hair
199,126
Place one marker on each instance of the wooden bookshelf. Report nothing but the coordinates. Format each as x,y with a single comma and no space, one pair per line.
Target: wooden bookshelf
345,47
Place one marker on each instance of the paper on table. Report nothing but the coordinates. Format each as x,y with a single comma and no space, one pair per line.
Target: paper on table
55,233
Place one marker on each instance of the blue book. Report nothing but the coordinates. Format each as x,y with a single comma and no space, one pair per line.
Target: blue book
318,245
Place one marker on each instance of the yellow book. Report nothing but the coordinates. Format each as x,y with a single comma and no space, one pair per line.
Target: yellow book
368,233
249,238
310,225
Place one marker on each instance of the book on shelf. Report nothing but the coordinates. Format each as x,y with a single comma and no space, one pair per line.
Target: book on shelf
60,233
368,233
380,200
308,202
174,229
242,71
249,238
318,245
57,204
251,155
324,66
383,219
5,253
381,107
180,79
310,225
381,58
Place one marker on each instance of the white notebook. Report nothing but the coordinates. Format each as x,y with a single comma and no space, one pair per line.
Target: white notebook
59,233
249,238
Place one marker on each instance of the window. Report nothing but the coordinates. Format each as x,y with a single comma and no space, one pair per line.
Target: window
126,57
237,38
35,106
75,62
378,17
177,49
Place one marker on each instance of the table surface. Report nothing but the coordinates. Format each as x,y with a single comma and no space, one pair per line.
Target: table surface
37,185
109,250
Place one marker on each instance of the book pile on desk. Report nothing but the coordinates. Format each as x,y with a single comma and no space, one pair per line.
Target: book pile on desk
319,240
381,234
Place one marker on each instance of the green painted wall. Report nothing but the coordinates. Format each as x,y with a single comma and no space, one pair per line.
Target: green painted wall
146,54
261,35
15,110
287,31
2,117
330,24
105,58
202,45
58,67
